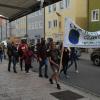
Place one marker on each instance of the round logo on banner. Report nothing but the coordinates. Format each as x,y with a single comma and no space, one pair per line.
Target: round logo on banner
74,36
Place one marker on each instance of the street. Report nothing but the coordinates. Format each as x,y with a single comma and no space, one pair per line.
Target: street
28,86
88,78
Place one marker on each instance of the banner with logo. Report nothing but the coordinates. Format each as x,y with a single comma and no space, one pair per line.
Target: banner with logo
78,37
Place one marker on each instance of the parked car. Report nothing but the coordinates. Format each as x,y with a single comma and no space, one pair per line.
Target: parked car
95,57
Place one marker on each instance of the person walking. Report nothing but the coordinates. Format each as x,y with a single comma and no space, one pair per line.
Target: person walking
73,59
21,49
12,56
27,56
15,56
54,62
65,60
38,48
43,61
1,53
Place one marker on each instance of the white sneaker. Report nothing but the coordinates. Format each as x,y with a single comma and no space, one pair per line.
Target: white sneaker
77,71
67,76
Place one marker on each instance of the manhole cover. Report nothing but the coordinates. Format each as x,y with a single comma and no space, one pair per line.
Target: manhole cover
66,95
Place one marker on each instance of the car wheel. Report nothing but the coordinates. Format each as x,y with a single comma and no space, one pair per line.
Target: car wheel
96,61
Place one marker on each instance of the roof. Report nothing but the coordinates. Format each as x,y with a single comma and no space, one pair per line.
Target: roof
13,9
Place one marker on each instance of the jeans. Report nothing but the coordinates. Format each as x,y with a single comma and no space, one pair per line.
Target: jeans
21,63
42,63
13,60
27,67
1,57
73,61
65,67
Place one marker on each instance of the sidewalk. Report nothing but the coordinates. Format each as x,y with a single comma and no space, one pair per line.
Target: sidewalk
22,86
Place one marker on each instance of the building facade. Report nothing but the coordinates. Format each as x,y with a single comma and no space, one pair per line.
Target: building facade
35,24
94,15
18,27
55,17
30,26
3,29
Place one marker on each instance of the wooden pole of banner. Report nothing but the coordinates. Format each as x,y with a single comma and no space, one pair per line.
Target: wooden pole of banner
62,49
60,67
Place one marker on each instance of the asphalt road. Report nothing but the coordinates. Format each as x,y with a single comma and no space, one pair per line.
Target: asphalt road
87,79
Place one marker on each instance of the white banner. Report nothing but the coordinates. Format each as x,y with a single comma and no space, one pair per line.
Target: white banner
78,37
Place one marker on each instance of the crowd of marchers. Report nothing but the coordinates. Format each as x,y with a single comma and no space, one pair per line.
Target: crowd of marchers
60,58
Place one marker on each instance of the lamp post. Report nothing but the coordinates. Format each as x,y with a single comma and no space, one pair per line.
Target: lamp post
26,30
6,29
1,32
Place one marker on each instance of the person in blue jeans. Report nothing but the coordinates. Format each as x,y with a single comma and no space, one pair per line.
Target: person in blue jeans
1,53
12,56
65,60
43,59
73,58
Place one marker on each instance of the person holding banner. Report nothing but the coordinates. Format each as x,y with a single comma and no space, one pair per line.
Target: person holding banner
54,62
73,58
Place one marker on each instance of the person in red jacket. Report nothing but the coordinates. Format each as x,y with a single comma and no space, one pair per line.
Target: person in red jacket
27,56
21,49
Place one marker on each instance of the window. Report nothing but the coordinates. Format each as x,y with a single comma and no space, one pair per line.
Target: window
61,5
33,26
67,2
40,24
60,24
40,12
95,15
54,7
36,25
36,13
55,23
49,24
49,8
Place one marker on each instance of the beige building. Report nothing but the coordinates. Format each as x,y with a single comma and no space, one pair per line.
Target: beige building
55,17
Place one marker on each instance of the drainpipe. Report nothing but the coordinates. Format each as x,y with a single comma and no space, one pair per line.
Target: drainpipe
1,32
44,23
26,29
6,29
88,15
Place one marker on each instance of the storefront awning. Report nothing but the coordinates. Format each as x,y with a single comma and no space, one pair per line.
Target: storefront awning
13,9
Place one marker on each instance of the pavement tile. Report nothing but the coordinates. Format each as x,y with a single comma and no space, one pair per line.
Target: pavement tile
22,86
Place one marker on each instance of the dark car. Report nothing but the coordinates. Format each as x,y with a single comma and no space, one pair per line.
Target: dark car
95,57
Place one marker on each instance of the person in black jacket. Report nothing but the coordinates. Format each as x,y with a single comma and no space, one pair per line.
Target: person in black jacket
43,61
65,60
12,56
73,58
1,53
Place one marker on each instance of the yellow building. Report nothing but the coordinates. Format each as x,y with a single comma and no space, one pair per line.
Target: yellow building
55,15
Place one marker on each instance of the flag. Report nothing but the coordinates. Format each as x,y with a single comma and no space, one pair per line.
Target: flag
77,37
